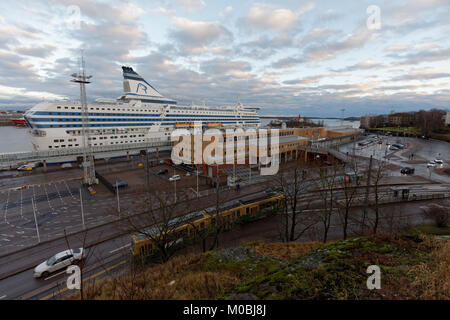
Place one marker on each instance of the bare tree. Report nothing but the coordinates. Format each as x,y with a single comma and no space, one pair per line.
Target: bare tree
294,183
350,186
158,222
327,183
376,175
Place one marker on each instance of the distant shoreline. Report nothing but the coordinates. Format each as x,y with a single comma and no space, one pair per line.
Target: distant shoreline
291,117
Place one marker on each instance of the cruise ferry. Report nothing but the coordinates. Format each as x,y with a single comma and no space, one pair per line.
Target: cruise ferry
141,114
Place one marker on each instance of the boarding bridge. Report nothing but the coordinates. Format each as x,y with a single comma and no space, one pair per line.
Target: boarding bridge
48,155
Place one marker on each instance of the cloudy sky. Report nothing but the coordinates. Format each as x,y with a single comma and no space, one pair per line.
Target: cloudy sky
287,57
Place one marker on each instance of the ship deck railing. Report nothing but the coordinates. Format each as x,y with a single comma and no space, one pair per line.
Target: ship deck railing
49,154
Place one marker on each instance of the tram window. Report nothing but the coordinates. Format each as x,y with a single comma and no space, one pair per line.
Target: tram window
246,210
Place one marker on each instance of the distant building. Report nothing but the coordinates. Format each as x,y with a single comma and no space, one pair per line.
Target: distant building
402,119
365,122
373,121
447,118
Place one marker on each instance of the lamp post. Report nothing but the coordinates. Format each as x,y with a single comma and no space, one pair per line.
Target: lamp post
197,181
118,200
82,209
35,220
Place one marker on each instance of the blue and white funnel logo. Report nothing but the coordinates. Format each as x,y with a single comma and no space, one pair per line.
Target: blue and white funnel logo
141,86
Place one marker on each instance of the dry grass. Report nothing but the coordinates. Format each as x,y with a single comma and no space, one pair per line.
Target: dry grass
432,279
177,279
285,250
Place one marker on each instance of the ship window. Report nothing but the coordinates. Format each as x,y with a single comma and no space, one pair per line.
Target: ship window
58,107
63,146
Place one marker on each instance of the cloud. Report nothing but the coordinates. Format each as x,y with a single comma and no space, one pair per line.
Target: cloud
226,11
7,92
266,16
191,4
164,11
422,75
365,65
43,51
288,62
331,49
318,34
193,36
422,53
224,66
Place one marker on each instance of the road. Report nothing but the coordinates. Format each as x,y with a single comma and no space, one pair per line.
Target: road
112,253
422,152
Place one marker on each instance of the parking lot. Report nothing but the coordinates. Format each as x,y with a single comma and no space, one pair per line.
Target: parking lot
416,154
57,207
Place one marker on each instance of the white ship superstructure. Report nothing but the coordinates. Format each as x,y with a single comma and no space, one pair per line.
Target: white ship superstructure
141,114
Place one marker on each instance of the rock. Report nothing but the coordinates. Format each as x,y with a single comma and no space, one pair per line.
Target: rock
313,260
236,254
242,296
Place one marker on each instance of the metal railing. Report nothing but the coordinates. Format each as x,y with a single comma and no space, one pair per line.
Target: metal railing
49,154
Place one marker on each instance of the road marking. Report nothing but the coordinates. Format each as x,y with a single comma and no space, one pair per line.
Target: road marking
54,294
125,246
57,274
3,297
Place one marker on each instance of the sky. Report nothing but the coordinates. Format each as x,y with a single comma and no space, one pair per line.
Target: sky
312,58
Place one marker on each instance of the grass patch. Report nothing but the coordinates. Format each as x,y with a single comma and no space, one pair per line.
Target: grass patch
335,270
428,230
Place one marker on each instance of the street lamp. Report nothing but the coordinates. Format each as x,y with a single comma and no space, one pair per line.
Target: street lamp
197,180
118,200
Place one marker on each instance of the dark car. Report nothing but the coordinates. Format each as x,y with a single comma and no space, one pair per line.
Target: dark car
407,170
163,171
120,184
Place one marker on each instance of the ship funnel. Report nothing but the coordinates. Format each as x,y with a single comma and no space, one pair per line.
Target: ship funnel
134,84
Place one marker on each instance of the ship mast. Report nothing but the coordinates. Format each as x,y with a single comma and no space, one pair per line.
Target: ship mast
88,158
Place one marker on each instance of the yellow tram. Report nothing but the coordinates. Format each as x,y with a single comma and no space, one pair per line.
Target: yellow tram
196,222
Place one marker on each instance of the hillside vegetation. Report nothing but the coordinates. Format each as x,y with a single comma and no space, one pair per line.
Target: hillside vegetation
418,269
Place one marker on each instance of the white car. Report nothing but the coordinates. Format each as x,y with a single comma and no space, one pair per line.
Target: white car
58,261
175,177
438,161
431,164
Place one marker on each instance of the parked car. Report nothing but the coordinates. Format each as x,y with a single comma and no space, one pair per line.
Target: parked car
431,164
175,177
66,166
407,170
120,184
393,148
438,161
163,171
58,261
25,167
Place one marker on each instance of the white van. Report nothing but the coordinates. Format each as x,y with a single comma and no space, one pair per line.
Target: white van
175,177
